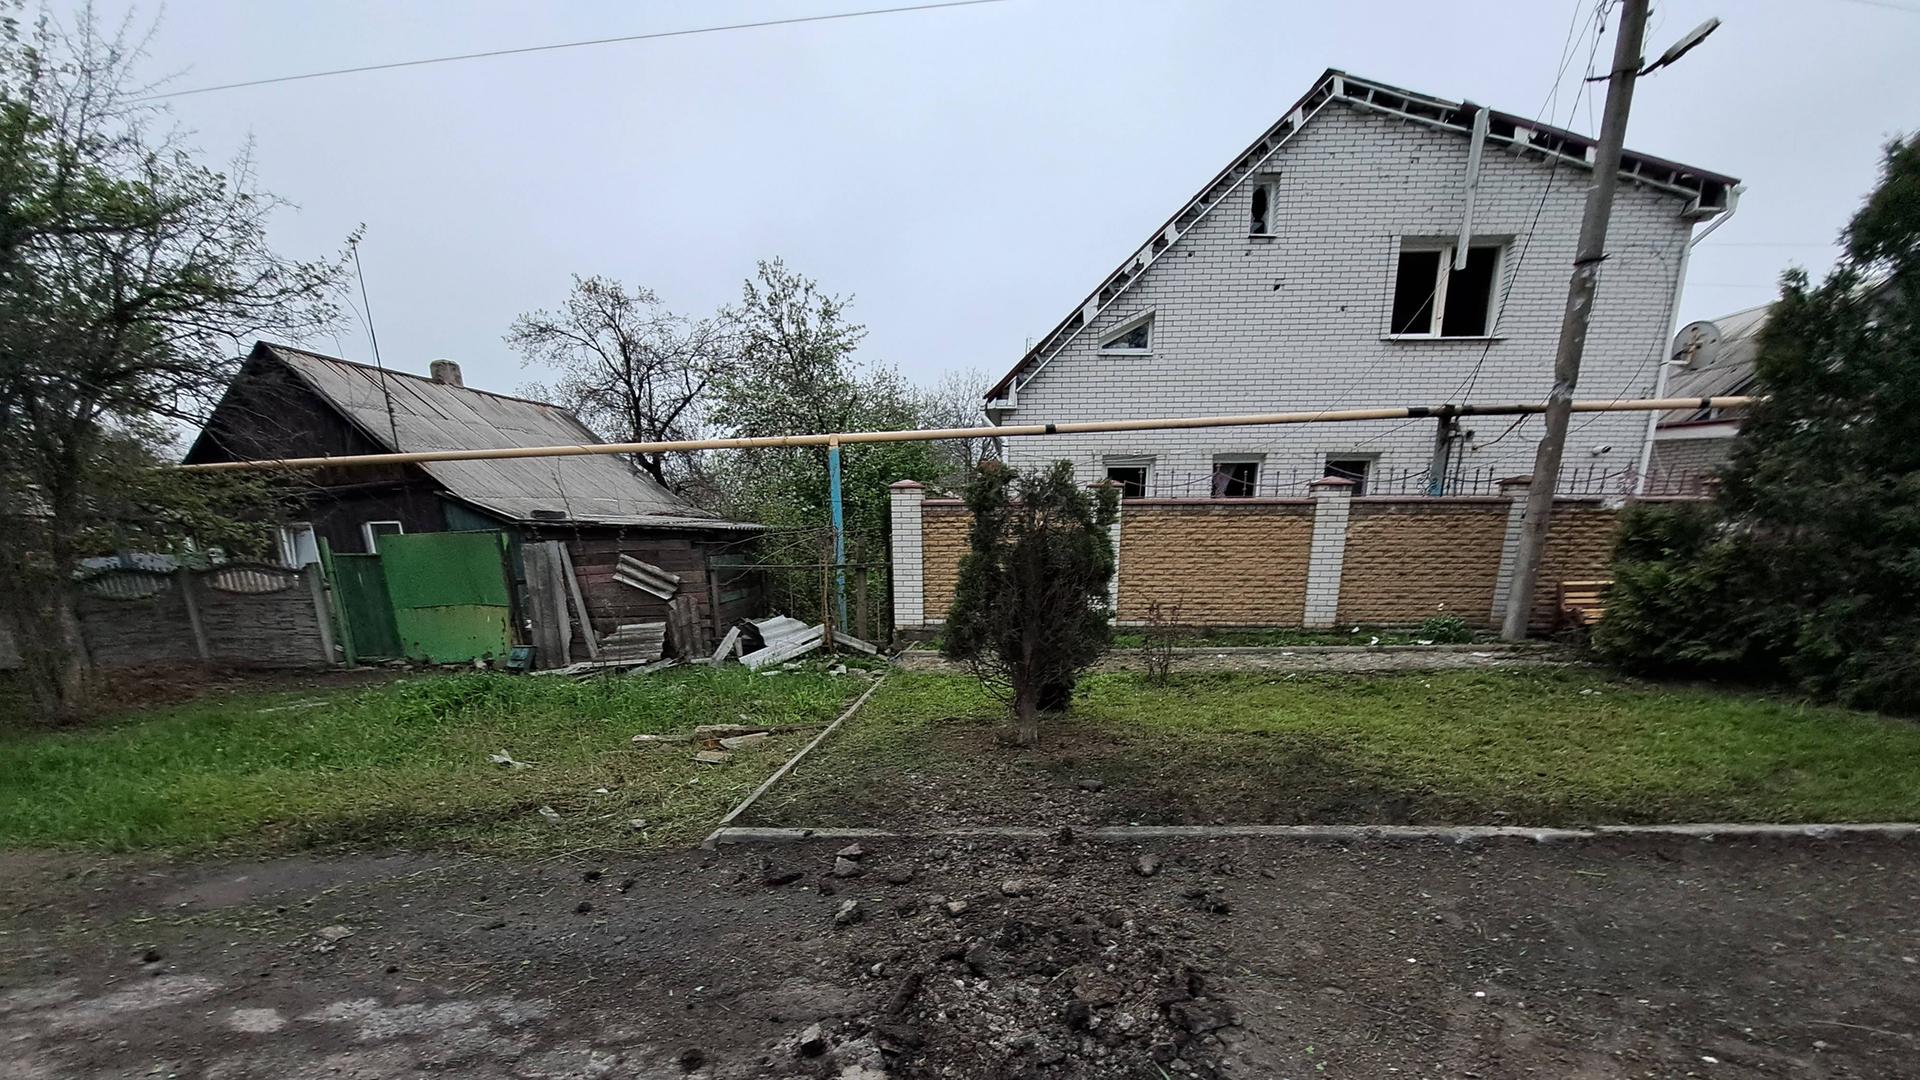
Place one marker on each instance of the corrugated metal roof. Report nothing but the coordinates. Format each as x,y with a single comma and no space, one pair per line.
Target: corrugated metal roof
1726,370
429,415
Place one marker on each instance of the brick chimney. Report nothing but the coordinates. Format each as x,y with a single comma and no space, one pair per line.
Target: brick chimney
446,371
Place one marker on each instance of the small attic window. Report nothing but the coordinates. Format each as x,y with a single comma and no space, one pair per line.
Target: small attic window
1260,223
1135,336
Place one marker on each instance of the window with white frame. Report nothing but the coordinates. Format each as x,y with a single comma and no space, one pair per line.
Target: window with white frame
1432,299
1131,474
297,543
372,531
1133,337
1235,477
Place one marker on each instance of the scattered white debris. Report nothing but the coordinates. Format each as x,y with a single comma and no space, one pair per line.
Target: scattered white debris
1423,641
1709,1059
1479,993
1372,641
506,760
311,703
550,814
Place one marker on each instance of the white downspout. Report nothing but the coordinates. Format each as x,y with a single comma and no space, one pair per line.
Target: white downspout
1673,328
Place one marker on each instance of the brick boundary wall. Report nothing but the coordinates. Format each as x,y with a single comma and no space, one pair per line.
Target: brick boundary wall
1334,559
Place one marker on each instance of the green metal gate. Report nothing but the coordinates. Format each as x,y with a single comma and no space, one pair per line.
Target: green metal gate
366,614
449,593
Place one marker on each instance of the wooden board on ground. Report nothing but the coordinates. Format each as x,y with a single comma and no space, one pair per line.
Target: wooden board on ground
730,643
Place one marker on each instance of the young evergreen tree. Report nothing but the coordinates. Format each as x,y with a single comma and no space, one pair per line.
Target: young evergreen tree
1031,608
1808,563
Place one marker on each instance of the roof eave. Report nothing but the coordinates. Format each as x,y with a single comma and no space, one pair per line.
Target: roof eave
1335,84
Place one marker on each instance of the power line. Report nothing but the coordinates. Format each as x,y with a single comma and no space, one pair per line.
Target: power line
1888,5
489,54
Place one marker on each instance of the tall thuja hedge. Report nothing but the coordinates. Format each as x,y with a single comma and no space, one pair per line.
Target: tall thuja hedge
1806,566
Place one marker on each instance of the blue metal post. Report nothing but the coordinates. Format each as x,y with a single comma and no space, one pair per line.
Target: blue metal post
839,538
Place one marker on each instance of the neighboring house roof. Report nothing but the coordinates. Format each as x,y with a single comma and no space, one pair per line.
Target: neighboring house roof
430,415
1719,356
1705,191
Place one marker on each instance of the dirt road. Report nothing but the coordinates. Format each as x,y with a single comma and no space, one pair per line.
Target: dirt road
975,959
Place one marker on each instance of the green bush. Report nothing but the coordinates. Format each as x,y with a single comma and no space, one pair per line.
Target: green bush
1445,630
1805,569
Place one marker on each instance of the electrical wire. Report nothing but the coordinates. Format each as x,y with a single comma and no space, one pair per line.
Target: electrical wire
556,46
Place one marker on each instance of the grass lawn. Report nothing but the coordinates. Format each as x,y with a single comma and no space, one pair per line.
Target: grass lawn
407,763
1523,746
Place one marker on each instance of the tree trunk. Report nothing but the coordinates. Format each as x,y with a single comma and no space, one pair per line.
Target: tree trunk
1026,713
53,655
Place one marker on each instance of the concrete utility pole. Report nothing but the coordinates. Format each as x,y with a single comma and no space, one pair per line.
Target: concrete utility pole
1573,325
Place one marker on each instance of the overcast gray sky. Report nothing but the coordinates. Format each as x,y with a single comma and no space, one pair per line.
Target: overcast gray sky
967,174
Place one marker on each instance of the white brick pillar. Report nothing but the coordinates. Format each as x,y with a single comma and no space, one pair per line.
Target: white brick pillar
1113,537
1514,489
1332,501
908,556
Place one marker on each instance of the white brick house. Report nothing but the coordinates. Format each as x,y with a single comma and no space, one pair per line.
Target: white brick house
1317,271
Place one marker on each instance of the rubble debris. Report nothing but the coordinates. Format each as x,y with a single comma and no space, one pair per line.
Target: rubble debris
1091,784
812,1042
728,731
902,875
846,868
785,639
506,761
1018,887
841,637
743,742
728,644
550,814
956,908
852,851
848,913
713,757
1148,864
653,740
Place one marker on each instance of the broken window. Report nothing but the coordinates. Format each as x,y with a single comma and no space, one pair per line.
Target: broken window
1432,299
1131,478
1134,336
1234,478
1262,220
1354,469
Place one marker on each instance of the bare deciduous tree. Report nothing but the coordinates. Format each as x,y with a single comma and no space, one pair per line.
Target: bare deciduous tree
956,401
631,369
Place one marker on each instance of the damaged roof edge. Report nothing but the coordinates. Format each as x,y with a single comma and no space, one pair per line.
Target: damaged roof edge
1335,84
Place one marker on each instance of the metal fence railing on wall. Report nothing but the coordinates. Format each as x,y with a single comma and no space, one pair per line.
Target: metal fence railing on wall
1588,480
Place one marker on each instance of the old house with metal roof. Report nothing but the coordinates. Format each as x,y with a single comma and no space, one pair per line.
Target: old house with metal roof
289,402
1373,246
